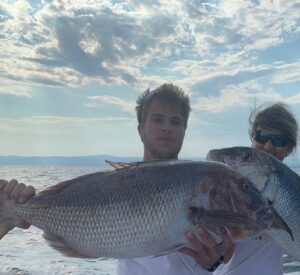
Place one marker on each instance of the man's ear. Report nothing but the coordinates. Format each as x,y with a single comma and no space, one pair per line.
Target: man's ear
141,131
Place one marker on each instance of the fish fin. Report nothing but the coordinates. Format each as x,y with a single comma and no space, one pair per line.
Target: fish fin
123,165
215,219
60,245
118,165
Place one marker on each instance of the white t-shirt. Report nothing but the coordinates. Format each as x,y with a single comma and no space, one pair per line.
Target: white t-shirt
257,256
174,263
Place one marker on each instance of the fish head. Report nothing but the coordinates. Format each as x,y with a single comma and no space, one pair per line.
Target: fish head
254,164
236,194
263,173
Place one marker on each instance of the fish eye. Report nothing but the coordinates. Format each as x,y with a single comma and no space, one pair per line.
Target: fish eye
246,157
270,202
246,186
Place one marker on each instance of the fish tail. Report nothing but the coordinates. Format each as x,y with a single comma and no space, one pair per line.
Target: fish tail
7,220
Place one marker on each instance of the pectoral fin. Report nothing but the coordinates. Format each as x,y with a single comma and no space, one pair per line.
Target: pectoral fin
213,220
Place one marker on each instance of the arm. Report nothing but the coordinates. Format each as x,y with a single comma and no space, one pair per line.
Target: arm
208,252
18,192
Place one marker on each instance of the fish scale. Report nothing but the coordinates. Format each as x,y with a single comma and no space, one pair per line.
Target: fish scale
141,210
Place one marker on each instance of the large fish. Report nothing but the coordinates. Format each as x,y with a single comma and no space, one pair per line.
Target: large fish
143,209
276,181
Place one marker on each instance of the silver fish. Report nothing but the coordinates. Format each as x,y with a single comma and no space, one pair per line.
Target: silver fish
141,210
276,181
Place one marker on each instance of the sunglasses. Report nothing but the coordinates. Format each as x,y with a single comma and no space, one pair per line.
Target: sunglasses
278,140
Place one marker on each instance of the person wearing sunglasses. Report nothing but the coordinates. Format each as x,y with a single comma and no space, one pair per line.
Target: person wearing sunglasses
273,129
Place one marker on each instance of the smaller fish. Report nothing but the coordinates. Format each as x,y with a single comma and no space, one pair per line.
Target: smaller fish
276,182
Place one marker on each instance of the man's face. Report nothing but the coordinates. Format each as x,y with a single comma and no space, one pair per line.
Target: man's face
162,132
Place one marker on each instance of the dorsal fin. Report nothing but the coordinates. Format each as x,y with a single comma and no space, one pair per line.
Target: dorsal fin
123,165
118,165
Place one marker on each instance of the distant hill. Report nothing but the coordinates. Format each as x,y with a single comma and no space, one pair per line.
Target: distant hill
98,160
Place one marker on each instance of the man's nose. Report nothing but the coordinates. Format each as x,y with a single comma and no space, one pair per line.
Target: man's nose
167,126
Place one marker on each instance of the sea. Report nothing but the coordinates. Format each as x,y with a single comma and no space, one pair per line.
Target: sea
25,252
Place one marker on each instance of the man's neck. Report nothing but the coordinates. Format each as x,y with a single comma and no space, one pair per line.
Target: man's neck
148,157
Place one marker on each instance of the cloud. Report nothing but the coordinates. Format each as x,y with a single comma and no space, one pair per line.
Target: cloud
235,95
241,95
293,100
125,42
288,74
15,90
55,121
97,101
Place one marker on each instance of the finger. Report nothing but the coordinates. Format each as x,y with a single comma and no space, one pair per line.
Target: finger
2,184
27,193
206,238
16,192
197,244
227,240
9,187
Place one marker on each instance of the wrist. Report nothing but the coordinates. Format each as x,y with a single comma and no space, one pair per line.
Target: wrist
216,264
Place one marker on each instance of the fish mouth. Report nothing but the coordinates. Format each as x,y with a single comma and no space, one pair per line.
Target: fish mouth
213,155
270,219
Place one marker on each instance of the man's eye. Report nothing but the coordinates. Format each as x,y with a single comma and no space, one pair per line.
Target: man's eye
157,119
176,122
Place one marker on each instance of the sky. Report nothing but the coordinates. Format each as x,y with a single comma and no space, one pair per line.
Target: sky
71,71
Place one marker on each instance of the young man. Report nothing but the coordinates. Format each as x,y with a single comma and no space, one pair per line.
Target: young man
162,120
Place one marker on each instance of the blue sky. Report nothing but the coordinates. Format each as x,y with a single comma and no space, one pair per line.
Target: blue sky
70,73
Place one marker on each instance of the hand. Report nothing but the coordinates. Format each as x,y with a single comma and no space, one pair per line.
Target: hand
207,251
18,192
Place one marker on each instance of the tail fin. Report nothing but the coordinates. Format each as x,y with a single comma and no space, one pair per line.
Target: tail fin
7,222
